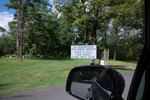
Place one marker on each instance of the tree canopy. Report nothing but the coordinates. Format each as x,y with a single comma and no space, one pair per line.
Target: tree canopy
49,30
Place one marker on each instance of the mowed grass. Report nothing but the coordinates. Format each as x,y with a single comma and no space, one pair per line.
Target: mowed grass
122,63
16,76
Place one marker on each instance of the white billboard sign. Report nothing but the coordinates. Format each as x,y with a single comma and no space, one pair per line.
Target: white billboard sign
83,52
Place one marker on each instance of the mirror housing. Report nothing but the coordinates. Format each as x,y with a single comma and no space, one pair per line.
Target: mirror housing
95,82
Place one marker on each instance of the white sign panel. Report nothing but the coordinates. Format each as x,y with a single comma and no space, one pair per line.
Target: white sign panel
83,51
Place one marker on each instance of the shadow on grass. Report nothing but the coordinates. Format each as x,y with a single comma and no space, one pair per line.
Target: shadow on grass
52,58
22,96
40,58
121,67
61,70
5,86
130,61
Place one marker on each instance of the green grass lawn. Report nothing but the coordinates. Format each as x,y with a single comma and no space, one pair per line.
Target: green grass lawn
16,76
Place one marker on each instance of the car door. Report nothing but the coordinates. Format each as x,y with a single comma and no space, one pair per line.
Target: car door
140,86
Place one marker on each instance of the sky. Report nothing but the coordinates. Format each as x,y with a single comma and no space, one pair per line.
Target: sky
7,15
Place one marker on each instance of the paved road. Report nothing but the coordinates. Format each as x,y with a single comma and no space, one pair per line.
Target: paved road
128,77
57,93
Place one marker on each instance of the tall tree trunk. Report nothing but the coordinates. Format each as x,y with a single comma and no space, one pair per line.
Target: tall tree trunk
105,41
93,33
93,38
115,41
114,58
17,42
48,48
19,30
87,36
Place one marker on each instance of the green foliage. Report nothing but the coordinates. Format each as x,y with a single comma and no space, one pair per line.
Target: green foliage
2,29
117,25
88,16
127,30
12,4
7,45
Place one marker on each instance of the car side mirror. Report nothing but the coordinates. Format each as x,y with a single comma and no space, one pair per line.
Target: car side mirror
94,82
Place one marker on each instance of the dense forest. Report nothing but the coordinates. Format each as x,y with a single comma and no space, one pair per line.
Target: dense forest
45,30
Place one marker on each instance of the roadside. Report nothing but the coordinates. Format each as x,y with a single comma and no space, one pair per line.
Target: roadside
32,74
128,78
58,93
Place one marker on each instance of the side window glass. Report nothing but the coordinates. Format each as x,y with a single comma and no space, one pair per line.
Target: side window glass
141,88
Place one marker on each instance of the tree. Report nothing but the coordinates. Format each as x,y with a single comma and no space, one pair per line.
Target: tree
127,20
2,29
106,23
22,12
7,45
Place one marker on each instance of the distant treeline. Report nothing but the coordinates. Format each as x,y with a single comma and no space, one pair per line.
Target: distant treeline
50,30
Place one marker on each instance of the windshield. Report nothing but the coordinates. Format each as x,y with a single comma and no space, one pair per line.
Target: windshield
42,40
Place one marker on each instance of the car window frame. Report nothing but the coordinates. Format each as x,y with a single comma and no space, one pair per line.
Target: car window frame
143,63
